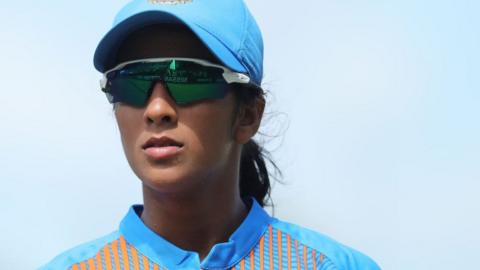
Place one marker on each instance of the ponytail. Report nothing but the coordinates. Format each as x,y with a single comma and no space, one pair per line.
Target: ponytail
254,176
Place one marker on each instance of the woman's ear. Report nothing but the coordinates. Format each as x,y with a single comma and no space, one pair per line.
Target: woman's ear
249,117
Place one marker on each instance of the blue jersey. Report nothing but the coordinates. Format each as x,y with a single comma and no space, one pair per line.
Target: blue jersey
261,242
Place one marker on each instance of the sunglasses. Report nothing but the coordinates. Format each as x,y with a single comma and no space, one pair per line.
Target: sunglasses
187,80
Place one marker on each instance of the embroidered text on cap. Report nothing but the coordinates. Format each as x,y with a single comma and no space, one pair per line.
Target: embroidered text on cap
169,2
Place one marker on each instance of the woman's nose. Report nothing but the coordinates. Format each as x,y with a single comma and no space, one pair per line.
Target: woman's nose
160,108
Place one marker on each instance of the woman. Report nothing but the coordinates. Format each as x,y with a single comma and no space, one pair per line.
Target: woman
184,79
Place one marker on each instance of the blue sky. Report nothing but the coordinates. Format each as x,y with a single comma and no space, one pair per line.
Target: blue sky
376,104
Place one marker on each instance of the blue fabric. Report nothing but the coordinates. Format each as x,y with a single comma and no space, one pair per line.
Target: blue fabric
339,256
79,253
221,255
148,242
227,28
260,241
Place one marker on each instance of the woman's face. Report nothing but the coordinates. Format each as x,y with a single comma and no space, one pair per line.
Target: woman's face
204,132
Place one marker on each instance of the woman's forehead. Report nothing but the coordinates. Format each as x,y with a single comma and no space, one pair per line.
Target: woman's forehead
163,40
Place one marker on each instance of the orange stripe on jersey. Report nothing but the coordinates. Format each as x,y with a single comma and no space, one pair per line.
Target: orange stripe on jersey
322,257
146,266
75,267
115,254
305,257
91,264
314,260
155,266
296,253
261,252
279,246
252,260
233,268
289,255
106,255
133,251
270,246
123,248
83,266
99,261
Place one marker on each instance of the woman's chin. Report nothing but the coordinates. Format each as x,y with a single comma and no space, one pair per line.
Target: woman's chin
167,179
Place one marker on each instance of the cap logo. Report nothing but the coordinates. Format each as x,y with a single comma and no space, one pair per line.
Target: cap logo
169,2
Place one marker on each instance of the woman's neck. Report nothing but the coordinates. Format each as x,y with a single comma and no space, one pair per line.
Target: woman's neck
194,221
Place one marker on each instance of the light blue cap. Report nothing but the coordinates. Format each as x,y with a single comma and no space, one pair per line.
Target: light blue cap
226,27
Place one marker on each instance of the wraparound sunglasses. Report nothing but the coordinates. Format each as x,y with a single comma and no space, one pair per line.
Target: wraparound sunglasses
187,80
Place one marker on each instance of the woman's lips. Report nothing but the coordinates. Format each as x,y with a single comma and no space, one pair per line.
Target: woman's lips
162,152
161,147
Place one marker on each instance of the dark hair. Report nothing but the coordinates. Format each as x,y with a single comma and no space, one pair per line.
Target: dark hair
255,179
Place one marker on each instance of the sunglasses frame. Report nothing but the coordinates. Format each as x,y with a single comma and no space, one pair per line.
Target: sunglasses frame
229,75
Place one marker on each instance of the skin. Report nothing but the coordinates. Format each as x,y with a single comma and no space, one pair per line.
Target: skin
192,200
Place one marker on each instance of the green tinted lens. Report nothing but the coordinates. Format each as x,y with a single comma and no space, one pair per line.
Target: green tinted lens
186,81
190,82
184,93
130,90
144,68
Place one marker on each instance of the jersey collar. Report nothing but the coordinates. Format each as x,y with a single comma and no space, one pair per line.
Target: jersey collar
222,255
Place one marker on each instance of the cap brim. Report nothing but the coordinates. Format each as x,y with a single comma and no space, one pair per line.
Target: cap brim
107,49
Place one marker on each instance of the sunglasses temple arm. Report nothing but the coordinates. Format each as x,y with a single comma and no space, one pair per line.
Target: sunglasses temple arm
103,82
233,77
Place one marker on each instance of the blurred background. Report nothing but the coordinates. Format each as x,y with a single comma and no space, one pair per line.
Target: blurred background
373,108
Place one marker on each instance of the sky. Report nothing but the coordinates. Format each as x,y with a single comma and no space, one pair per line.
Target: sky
372,115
